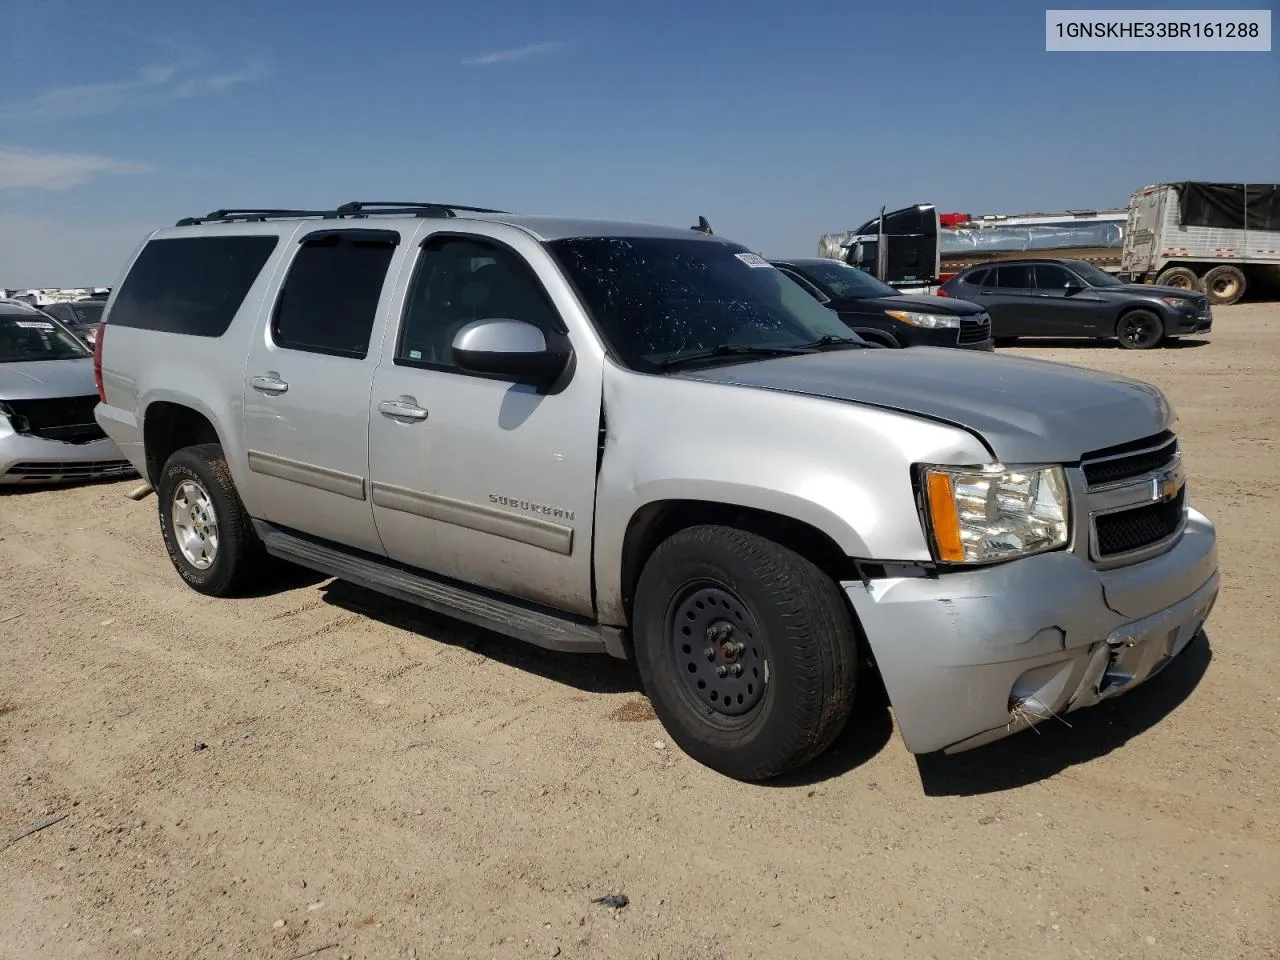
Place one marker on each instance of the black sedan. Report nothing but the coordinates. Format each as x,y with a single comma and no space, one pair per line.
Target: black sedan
879,313
1073,298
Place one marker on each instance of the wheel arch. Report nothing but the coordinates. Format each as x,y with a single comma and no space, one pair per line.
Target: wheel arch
168,425
654,522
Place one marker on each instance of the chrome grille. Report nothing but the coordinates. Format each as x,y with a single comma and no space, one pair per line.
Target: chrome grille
1121,533
1130,460
1136,496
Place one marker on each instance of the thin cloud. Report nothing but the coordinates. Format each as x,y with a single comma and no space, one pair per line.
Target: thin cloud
27,169
150,87
527,52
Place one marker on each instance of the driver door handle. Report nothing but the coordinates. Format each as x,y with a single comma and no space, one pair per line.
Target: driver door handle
406,408
269,383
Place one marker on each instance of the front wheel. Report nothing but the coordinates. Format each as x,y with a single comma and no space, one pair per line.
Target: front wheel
1139,330
747,651
207,533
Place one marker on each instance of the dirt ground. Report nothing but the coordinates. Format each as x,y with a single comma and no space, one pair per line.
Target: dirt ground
322,769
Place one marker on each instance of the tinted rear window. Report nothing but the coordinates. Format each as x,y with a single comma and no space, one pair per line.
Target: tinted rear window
190,285
330,299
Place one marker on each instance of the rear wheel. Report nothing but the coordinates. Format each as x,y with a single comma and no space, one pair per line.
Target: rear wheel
207,533
1139,330
747,651
1183,278
1224,285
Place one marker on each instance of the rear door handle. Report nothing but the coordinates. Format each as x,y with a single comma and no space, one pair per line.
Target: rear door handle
269,383
406,408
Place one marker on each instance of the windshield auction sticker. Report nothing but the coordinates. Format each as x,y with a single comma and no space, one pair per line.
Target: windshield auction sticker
753,260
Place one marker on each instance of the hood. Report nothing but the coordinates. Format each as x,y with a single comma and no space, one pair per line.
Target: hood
1026,410
47,379
919,303
1150,290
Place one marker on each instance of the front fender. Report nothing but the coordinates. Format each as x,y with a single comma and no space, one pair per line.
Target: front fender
840,467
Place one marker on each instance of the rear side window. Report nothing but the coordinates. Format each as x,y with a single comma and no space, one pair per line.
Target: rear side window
978,278
190,285
1018,277
330,298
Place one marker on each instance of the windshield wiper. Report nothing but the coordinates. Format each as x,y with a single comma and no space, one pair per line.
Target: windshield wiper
732,350
831,340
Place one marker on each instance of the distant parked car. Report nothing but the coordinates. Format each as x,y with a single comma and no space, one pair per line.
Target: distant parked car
881,314
47,394
81,317
1073,298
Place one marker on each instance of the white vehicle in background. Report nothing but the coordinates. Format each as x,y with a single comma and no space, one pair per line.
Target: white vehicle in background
48,433
1215,237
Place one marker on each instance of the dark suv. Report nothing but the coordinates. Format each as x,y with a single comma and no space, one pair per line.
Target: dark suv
883,315
1073,298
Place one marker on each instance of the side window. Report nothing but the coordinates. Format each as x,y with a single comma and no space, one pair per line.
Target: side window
190,285
978,278
461,279
805,285
329,300
1016,277
1050,276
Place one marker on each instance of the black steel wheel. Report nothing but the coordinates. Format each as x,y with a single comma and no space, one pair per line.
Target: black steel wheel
1139,330
719,649
747,650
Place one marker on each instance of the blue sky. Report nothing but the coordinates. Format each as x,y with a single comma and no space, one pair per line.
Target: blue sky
116,118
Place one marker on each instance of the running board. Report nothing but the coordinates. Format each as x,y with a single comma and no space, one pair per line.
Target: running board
541,627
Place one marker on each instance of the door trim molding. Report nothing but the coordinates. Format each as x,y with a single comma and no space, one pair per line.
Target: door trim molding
307,474
534,531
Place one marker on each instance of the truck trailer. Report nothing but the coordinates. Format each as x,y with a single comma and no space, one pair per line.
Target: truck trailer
1221,238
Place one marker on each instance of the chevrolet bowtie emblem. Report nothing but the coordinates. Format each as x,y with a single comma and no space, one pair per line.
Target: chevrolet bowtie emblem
1167,484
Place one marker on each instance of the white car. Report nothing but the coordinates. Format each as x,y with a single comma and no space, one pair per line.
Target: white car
47,394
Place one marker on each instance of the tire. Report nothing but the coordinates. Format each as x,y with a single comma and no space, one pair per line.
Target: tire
197,496
1183,278
1140,330
797,646
880,339
1224,285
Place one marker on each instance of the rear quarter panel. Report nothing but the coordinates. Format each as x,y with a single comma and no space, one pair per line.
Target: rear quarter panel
143,367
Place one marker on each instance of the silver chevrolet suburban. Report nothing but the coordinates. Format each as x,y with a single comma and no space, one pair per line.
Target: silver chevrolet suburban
649,442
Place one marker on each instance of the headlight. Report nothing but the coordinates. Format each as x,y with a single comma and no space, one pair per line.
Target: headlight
929,321
1179,303
987,513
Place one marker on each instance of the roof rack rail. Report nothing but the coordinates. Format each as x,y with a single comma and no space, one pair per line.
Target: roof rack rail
355,208
253,215
428,209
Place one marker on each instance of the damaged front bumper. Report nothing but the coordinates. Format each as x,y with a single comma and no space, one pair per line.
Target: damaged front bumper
973,656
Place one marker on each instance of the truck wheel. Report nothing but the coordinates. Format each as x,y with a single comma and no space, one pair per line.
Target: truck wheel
1184,278
747,651
1224,285
206,530
1139,330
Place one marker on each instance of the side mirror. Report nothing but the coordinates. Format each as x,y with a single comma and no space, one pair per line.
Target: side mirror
510,348
1073,287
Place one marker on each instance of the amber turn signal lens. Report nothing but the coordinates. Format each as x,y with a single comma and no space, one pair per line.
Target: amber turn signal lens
945,518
